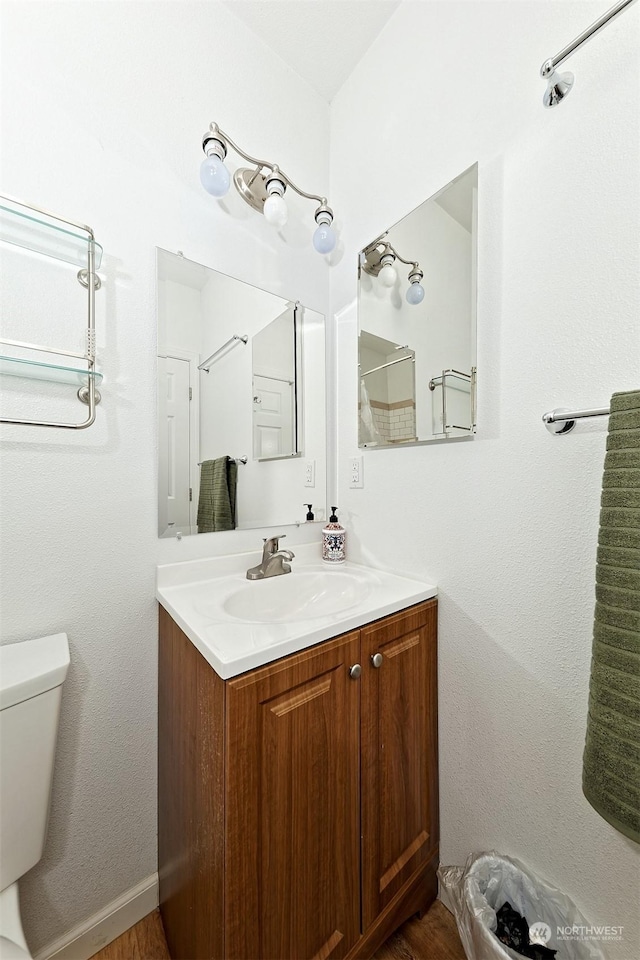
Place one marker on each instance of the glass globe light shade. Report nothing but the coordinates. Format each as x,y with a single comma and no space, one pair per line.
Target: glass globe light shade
388,275
275,210
324,238
214,176
415,293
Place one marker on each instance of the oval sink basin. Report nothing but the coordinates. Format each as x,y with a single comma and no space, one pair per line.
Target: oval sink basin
296,596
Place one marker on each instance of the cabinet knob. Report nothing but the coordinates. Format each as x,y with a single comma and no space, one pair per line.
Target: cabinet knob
377,659
355,671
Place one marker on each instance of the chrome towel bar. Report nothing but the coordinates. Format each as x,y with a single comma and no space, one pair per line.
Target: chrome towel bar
563,421
232,340
560,84
389,363
235,460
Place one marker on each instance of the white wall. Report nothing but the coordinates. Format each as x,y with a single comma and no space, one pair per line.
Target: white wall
273,353
104,106
179,318
506,524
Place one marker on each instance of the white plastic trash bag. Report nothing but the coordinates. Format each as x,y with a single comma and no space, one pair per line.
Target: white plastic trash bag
475,892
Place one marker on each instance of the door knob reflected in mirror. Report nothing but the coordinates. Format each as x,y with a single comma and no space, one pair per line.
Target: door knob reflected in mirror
377,659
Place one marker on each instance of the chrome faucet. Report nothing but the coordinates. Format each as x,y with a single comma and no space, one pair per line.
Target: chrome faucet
273,560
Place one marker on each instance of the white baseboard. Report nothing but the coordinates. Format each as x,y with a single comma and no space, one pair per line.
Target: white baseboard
103,927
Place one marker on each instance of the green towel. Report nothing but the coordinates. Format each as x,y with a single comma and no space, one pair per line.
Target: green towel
611,763
217,500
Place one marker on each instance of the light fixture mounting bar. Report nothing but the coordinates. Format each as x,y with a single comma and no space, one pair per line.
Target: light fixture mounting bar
217,134
378,260
262,185
376,251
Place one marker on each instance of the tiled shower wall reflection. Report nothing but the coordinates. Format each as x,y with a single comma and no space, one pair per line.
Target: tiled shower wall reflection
395,422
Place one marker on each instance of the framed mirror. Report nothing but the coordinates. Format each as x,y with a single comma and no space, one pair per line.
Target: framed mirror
241,403
417,323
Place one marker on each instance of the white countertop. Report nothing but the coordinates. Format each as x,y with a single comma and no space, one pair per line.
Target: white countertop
195,592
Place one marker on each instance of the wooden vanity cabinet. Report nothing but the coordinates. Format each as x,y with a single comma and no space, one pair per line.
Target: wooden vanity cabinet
292,822
298,805
399,744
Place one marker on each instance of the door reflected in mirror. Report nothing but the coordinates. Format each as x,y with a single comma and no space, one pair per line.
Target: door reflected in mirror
241,403
276,387
417,323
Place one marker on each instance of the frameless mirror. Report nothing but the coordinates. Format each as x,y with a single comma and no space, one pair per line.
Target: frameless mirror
417,323
241,403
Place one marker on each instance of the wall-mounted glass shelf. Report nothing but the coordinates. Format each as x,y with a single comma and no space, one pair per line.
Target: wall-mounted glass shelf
36,370
37,230
46,235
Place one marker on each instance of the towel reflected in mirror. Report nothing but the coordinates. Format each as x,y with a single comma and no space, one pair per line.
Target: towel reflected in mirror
217,497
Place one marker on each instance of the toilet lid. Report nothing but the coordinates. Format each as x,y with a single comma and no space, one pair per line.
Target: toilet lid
11,951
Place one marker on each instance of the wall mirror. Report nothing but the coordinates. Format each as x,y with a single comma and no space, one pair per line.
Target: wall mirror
417,323
241,403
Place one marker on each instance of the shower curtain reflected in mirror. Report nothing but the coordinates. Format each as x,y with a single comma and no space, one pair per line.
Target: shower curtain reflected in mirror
387,399
368,432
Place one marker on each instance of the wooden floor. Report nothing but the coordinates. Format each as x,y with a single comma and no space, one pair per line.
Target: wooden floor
435,937
145,941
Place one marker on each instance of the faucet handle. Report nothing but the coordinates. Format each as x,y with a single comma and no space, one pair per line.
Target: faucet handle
272,543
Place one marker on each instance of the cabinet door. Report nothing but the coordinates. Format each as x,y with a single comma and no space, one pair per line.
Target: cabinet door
399,753
292,856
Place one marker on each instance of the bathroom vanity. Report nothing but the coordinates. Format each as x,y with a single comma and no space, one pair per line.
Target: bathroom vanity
298,801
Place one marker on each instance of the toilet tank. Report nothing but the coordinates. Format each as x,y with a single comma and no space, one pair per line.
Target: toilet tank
31,678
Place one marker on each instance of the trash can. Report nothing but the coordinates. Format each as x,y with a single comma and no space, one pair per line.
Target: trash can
475,893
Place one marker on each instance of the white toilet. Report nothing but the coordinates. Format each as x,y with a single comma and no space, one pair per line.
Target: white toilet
31,678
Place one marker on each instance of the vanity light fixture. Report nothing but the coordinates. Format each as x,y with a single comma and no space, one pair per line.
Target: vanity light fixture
415,293
388,273
378,260
262,185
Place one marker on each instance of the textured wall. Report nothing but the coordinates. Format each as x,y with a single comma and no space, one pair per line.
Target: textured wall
103,123
507,524
104,105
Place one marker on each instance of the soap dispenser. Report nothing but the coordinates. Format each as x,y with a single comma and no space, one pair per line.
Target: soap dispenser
333,540
309,517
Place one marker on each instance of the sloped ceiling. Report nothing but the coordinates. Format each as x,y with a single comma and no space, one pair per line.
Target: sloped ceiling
322,40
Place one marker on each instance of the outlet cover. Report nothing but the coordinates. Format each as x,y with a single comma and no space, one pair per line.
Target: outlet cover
356,478
309,473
